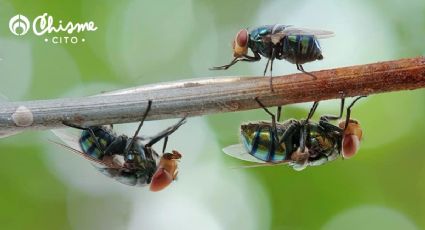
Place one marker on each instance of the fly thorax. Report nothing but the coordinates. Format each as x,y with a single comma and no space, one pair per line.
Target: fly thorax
320,144
149,167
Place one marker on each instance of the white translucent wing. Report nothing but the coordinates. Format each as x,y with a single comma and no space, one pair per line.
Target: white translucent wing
72,140
303,31
238,151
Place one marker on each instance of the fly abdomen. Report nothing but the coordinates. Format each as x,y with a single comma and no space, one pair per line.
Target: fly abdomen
261,143
88,144
299,49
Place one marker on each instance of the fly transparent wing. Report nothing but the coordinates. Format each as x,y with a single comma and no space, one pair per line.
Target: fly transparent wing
282,32
71,141
302,31
238,151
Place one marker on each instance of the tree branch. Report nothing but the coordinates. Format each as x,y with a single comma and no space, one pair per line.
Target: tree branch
212,95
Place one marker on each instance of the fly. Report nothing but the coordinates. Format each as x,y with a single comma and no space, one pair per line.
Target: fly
299,143
124,158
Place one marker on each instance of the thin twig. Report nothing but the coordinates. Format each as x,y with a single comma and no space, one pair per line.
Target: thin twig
213,95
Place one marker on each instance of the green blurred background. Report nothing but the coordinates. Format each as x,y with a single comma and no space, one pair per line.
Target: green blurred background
141,42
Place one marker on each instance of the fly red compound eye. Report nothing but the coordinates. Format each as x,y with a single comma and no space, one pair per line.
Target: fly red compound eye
352,137
240,43
350,145
160,180
242,38
166,172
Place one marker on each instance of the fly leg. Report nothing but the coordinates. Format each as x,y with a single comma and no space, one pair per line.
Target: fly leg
287,139
327,118
288,133
165,144
165,133
312,110
224,67
130,145
271,114
254,58
324,120
328,127
279,111
301,68
271,69
303,137
271,59
245,58
267,66
304,127
347,119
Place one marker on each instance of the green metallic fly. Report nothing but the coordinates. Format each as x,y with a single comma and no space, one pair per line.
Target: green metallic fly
124,158
282,42
298,143
295,45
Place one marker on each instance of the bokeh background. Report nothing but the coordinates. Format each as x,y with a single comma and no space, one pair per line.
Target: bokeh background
138,42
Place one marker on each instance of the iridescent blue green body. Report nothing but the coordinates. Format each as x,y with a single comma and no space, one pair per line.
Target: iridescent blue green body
296,45
104,137
257,42
297,49
140,162
261,142
322,143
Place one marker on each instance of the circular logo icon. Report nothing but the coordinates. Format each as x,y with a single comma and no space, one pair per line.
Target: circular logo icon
19,25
